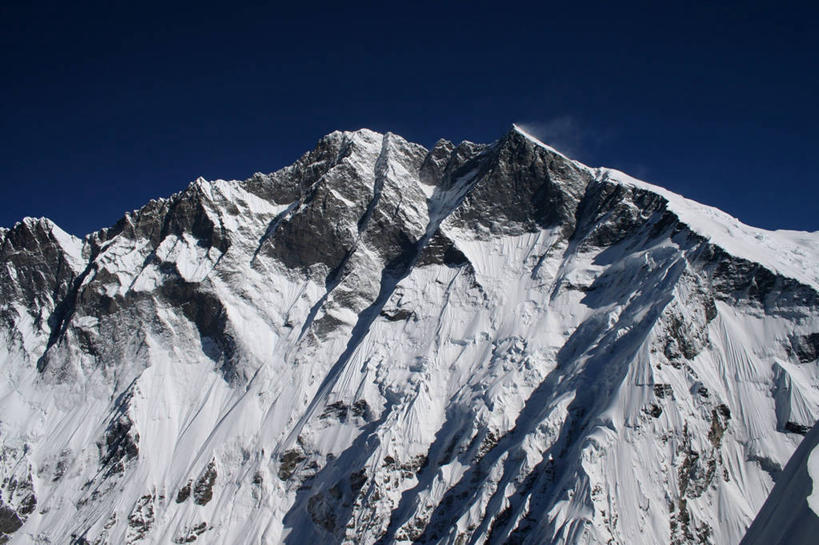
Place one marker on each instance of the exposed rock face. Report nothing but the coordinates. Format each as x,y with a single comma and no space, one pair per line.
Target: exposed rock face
475,344
141,519
17,496
203,490
521,188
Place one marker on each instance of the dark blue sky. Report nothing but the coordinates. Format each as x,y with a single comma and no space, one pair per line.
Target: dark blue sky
104,106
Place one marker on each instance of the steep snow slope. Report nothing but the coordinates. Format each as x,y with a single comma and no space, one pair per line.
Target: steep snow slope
388,344
791,513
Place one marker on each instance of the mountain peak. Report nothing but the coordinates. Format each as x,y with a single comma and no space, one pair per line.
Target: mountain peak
527,134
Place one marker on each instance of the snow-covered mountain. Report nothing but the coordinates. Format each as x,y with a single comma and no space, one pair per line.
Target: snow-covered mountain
474,344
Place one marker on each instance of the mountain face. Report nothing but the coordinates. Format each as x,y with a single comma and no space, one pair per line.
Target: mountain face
474,344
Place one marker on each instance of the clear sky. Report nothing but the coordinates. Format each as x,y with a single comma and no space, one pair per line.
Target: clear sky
106,105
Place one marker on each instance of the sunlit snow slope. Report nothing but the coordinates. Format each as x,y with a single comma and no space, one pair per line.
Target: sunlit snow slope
474,344
790,516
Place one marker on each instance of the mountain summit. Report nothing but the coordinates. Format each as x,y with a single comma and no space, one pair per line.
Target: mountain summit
473,344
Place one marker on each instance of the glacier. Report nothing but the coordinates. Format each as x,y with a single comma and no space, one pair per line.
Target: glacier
381,343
